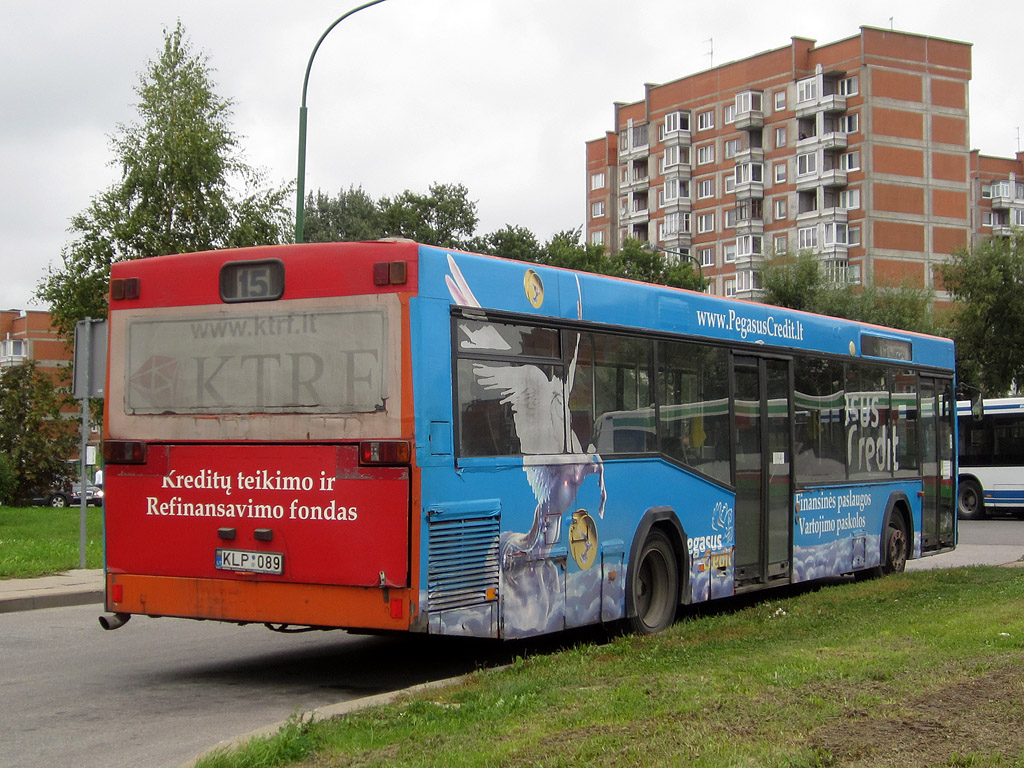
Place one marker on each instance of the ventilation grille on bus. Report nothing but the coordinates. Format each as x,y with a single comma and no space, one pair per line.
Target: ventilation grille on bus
462,567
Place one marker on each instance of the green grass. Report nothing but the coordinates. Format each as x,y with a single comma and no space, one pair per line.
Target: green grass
921,669
35,541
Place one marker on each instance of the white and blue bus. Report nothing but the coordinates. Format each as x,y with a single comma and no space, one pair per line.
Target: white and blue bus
991,449
394,436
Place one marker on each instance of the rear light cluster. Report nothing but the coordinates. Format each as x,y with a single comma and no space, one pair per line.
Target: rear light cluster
124,452
384,452
390,273
124,288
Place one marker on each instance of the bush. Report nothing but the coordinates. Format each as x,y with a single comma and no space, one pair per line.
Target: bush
8,480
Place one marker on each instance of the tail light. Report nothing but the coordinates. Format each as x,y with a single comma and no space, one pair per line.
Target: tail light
124,452
383,452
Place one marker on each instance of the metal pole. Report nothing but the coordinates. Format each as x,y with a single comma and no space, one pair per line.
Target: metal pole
300,184
83,448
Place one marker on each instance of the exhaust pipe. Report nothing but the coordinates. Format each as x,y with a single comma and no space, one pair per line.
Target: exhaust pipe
114,621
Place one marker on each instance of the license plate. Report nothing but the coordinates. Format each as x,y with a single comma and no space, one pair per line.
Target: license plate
253,562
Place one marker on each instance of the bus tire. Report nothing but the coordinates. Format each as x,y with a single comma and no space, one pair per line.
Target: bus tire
896,545
970,502
654,585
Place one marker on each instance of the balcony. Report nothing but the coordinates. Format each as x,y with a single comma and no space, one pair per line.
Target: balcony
748,190
834,177
834,141
749,227
807,181
749,155
828,103
752,120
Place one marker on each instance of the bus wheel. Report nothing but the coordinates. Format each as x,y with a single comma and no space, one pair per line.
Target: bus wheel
895,545
970,504
654,584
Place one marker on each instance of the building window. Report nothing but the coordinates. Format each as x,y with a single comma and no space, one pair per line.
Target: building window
732,146
849,86
807,90
853,233
705,188
748,245
639,136
780,101
780,136
849,199
748,101
677,121
730,218
729,114
730,287
850,161
12,350
836,234
729,182
748,280
597,209
780,208
706,256
597,237
729,252
597,180
676,189
674,223
749,173
849,123
706,154
706,120
806,164
986,190
807,237
780,173
781,243
1018,217
705,223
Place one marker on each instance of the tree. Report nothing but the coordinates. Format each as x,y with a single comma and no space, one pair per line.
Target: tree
637,262
510,242
174,194
987,286
33,436
798,282
444,217
352,215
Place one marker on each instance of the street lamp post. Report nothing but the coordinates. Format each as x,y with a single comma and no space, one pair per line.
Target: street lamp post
682,255
300,185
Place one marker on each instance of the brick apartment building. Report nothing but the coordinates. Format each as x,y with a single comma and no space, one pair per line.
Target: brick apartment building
29,335
857,150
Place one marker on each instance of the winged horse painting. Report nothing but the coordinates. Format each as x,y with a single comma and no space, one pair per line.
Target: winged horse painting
555,463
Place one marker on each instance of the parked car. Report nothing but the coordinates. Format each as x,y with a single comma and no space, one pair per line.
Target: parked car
69,496
93,494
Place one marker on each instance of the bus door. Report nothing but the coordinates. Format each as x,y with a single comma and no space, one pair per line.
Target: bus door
938,409
762,428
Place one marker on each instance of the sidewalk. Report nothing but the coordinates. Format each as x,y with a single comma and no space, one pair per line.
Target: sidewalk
79,587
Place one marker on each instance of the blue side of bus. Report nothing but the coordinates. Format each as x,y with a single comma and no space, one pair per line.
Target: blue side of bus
477,512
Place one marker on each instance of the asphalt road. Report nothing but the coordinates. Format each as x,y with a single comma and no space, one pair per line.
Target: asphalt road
159,692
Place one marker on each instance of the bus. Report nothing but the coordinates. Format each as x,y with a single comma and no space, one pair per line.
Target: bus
991,453
388,436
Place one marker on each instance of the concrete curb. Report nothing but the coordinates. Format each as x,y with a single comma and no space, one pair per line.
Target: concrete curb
331,710
77,587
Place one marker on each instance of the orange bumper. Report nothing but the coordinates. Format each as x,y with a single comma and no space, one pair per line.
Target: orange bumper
317,605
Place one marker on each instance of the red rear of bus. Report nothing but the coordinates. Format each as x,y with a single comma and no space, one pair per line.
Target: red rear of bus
258,437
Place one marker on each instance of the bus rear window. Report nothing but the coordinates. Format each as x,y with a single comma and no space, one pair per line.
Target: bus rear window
310,361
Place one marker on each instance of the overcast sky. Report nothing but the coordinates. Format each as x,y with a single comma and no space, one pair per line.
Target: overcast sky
499,95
